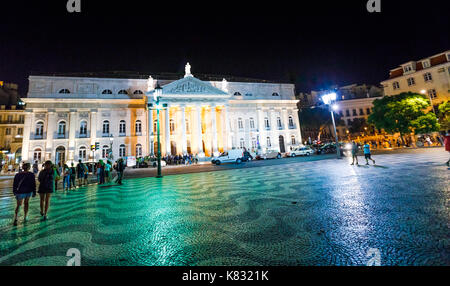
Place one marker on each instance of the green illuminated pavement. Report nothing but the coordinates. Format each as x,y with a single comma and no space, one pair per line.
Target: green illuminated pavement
301,213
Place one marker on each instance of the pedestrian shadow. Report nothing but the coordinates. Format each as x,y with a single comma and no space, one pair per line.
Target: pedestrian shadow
362,166
380,166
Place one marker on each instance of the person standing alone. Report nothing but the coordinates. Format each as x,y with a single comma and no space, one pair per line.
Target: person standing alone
447,145
367,153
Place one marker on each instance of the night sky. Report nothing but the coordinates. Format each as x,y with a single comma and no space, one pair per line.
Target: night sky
313,45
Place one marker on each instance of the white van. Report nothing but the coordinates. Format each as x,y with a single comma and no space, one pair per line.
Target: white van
231,156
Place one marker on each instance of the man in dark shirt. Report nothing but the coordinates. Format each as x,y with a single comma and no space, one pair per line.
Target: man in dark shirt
24,187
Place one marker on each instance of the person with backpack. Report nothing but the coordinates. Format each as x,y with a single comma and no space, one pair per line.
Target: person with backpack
46,187
80,173
120,170
24,187
73,175
86,174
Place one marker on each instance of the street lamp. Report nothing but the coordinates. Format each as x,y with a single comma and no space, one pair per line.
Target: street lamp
423,91
157,96
330,99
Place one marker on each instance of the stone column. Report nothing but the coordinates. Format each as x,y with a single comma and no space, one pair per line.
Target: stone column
150,131
199,130
93,131
214,129
167,129
274,132
228,143
297,125
51,126
262,130
29,122
72,131
183,130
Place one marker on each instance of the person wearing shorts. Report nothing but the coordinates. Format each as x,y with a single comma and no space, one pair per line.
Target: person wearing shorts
46,187
367,153
24,187
355,150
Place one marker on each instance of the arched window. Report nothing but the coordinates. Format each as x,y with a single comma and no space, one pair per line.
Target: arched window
105,151
39,129
242,143
107,91
268,142
83,128
240,124
252,123
266,122
82,153
254,143
138,127
138,150
293,140
172,126
122,127
37,155
105,128
279,122
64,91
291,122
275,94
61,129
122,150
123,91
138,92
237,94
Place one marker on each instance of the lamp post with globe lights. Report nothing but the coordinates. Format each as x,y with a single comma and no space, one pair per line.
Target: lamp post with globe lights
330,99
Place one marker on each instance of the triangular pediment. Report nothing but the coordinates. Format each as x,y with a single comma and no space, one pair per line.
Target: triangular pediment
191,86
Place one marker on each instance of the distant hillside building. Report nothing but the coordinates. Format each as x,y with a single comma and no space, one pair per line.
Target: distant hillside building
430,76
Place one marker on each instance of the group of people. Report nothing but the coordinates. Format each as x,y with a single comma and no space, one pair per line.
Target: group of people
24,185
367,153
186,159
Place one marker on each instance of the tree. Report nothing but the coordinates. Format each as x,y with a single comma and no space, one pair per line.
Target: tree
444,115
357,125
403,113
317,119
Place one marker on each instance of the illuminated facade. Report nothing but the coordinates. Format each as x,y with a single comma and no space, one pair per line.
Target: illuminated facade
65,116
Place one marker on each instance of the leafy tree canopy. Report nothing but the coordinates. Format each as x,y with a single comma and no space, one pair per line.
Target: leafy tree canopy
404,113
444,115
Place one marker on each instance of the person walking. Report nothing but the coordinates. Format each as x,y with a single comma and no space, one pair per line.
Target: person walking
24,187
57,169
367,154
108,167
86,174
447,145
73,175
355,150
46,187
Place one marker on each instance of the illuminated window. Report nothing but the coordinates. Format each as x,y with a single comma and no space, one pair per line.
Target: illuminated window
106,128
122,127
279,122
138,128
242,143
61,129
83,128
240,124
39,129
432,93
37,155
252,123
105,151
138,150
82,153
293,140
291,121
122,150
266,123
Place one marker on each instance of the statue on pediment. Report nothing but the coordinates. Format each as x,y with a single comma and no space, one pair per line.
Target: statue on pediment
187,70
225,85
150,84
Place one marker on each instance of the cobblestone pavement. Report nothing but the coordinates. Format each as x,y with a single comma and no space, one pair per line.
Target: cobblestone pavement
297,213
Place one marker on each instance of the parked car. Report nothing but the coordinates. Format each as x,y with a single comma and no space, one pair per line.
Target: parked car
301,151
270,154
231,156
154,164
247,156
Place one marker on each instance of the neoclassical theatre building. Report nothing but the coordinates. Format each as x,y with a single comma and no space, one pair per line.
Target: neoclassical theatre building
66,115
